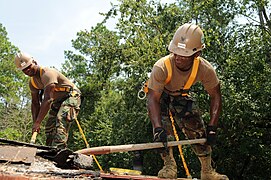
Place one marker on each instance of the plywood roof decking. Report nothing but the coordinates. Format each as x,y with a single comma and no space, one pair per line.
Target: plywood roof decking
17,154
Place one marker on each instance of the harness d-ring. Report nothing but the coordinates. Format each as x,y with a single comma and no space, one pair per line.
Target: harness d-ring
141,94
144,90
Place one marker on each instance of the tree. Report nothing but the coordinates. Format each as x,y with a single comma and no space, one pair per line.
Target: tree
14,98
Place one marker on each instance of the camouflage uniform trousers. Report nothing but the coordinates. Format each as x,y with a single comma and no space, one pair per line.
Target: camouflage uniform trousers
188,119
59,121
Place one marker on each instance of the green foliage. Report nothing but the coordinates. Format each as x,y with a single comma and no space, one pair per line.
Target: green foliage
14,94
246,91
10,133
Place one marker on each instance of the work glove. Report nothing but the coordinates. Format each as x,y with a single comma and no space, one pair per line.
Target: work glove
160,135
211,135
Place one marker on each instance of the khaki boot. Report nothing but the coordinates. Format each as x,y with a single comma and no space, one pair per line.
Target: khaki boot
169,171
207,172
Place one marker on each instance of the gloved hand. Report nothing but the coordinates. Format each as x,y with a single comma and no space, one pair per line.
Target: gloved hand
160,135
211,135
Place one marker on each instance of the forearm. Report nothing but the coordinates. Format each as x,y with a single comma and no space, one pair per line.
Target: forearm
35,108
154,113
44,108
215,109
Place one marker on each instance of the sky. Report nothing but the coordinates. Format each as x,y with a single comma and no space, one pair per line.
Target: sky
45,28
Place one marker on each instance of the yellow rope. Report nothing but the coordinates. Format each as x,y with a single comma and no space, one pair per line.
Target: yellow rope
84,137
179,146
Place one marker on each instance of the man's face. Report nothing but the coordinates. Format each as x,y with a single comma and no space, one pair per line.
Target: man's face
29,70
183,62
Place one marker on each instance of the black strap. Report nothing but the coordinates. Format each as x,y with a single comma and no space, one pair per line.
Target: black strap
180,91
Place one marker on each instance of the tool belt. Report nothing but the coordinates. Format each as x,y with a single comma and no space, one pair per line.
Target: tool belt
70,93
70,90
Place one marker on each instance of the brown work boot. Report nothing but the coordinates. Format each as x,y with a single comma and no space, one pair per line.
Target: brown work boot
169,171
207,172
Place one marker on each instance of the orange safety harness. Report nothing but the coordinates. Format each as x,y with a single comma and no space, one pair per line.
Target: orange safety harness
184,92
32,80
58,89
187,86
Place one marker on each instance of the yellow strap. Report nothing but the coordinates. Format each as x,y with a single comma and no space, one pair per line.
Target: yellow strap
62,89
179,146
192,76
189,82
40,71
84,138
145,87
169,70
33,82
169,75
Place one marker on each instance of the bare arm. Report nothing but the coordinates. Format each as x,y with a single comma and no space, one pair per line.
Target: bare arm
44,106
35,104
216,104
153,105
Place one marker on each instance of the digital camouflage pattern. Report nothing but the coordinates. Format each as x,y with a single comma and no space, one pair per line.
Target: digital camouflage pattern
187,117
59,121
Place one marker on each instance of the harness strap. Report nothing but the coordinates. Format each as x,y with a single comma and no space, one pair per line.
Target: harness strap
169,75
187,85
63,89
58,89
192,76
33,82
169,70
